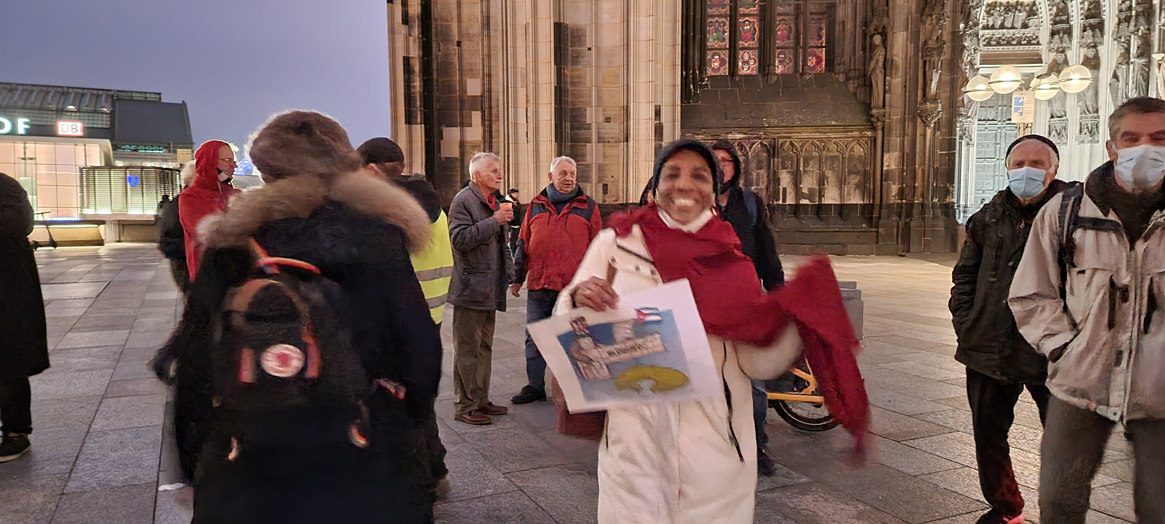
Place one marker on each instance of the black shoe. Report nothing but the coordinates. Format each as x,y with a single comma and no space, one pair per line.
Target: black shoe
527,395
13,446
765,466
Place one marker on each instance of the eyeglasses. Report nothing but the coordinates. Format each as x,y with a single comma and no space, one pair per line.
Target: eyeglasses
231,160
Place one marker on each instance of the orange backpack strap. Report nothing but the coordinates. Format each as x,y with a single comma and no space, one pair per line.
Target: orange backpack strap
270,264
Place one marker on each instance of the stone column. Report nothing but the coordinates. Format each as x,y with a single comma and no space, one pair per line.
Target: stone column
404,55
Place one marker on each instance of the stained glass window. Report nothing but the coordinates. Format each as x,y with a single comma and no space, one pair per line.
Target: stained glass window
785,40
815,43
748,37
791,35
719,17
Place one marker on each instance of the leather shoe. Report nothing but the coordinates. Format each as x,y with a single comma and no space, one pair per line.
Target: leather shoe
527,395
476,418
494,409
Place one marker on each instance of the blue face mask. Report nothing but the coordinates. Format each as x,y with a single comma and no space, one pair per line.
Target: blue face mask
1026,182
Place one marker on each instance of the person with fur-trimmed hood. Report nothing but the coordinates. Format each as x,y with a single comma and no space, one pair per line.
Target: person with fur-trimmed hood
319,206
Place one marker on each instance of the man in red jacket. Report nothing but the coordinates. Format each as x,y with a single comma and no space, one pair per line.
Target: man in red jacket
214,164
557,229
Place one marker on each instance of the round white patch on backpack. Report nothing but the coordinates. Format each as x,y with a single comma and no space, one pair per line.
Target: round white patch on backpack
282,360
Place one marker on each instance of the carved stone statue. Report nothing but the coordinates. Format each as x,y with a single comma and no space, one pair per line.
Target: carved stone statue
877,72
932,57
1138,80
1160,65
1089,101
1119,80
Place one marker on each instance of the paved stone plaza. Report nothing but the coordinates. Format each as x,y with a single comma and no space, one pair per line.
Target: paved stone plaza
100,449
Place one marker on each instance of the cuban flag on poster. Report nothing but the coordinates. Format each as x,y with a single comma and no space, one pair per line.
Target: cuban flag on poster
647,315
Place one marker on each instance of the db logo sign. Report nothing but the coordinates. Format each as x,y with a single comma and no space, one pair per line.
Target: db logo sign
68,128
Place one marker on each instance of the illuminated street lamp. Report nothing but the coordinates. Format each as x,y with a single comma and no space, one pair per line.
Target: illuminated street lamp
1005,80
978,90
1075,79
1046,87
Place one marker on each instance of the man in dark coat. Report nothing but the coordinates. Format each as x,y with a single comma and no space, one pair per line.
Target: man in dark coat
24,349
481,265
748,214
1000,363
322,207
172,241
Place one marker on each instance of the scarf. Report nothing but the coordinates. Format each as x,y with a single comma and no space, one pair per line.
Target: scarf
559,199
724,283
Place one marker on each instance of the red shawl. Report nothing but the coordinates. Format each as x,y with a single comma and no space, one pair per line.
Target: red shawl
725,284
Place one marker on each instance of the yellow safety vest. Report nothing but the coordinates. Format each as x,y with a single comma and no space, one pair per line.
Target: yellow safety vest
434,267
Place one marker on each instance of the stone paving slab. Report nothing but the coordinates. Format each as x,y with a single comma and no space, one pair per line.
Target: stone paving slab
101,447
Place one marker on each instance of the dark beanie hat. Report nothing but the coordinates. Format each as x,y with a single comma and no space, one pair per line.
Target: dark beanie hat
381,151
1025,138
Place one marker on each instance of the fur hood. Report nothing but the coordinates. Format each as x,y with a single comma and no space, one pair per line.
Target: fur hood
299,196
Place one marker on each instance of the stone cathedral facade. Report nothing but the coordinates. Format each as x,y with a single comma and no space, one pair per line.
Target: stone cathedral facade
846,113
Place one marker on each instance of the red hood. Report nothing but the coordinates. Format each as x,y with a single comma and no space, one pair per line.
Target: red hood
206,164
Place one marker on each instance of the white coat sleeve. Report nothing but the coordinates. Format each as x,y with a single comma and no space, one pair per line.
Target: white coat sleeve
594,264
1035,290
773,361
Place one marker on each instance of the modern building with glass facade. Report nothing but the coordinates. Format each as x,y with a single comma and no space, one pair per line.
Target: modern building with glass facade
94,156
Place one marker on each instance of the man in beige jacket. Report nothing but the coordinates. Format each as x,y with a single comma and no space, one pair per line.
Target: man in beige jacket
1088,294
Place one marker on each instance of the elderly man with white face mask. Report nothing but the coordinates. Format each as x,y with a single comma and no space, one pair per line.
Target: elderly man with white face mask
1000,363
1088,295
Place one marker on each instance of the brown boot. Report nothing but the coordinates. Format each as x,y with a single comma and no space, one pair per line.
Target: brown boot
494,409
476,418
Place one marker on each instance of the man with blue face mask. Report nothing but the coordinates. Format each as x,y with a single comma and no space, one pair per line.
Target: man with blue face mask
1088,295
1000,363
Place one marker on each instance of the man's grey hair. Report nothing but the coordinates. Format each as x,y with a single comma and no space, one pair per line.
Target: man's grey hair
557,159
1142,105
479,158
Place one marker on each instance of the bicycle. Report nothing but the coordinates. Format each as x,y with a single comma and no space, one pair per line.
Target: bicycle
798,402
36,244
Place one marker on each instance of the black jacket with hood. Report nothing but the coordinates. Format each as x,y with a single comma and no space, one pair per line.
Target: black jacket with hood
989,341
358,230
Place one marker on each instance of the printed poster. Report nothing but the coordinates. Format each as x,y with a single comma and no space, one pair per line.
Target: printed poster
652,350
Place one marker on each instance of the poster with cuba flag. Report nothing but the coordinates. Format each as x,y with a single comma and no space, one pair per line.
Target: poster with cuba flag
651,350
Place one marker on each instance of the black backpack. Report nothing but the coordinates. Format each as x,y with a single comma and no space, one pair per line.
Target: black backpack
282,360
171,239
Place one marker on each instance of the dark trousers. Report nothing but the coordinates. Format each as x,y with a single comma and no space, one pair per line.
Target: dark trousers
539,306
760,410
1072,451
15,405
992,413
434,446
473,338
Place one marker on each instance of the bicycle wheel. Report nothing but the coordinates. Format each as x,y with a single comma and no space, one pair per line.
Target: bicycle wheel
805,416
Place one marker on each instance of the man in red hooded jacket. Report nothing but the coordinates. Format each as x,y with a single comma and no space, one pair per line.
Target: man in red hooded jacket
214,164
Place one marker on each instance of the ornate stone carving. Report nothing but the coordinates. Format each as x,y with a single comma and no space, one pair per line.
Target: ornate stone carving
1119,81
1088,101
1058,130
929,112
967,130
879,19
1011,23
1140,61
934,14
932,59
877,72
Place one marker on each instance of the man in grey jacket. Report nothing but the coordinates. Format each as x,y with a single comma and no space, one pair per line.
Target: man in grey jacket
1088,295
481,263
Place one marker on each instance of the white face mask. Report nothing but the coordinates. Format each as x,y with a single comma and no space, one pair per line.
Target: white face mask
1141,167
1026,182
